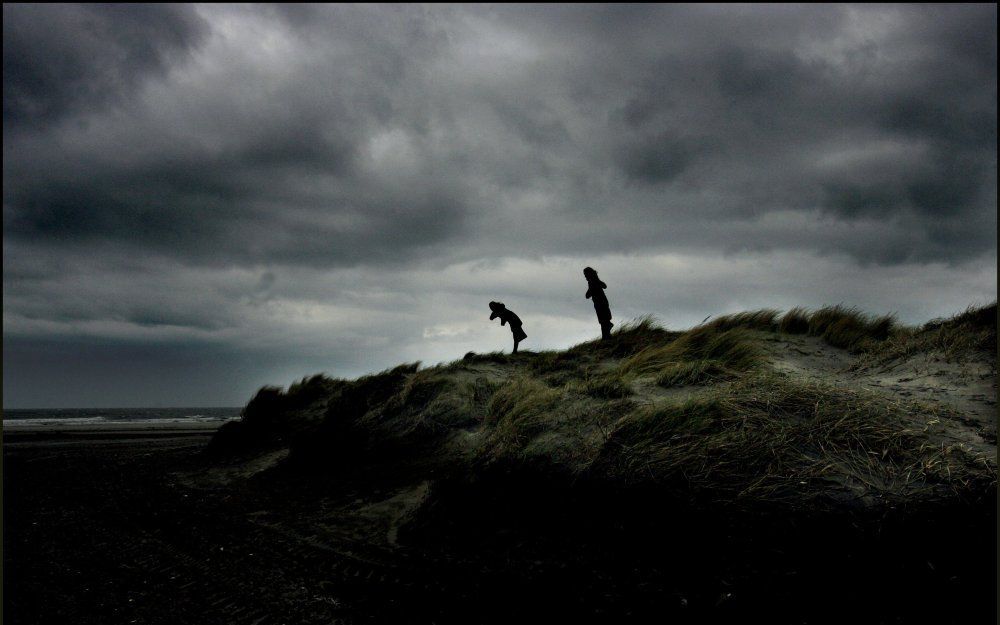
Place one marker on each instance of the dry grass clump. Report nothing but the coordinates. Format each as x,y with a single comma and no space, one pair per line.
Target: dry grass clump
606,386
541,363
429,402
840,326
972,333
700,355
764,320
567,363
530,424
481,391
359,396
849,328
342,430
627,339
273,416
518,411
312,388
703,371
795,321
497,357
393,412
774,439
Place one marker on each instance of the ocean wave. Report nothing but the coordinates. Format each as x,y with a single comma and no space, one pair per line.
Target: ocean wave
53,421
187,419
71,421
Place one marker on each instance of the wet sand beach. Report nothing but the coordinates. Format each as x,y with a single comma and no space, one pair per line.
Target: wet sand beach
135,524
97,529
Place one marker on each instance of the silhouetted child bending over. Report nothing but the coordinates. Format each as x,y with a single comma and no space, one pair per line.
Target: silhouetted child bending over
595,291
508,317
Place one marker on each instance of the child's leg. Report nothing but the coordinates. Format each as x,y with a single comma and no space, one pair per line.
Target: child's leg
515,346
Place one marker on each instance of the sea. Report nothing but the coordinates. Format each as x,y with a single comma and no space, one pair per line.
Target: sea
111,416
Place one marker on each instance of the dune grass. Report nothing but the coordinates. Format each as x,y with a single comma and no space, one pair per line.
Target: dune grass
849,328
972,333
611,385
627,339
273,415
701,355
723,348
840,326
794,321
762,436
518,411
744,432
773,438
428,402
764,320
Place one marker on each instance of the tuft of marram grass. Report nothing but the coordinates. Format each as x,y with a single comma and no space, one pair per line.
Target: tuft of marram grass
693,372
641,326
529,423
497,357
611,385
971,334
840,326
429,402
549,362
764,320
848,327
516,413
795,321
274,415
627,339
770,438
702,354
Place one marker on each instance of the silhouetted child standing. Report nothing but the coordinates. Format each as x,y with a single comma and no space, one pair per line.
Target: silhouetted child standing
508,317
595,291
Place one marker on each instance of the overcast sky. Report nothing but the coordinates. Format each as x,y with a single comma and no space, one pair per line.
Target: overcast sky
200,200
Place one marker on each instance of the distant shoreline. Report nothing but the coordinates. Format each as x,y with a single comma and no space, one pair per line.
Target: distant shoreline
110,432
113,419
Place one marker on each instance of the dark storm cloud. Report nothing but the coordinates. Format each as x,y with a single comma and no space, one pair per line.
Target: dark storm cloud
189,173
336,135
58,59
225,173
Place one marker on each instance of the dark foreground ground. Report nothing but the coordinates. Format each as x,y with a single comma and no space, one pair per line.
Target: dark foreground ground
109,527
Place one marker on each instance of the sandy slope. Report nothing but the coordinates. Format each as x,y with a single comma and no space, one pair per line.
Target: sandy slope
962,394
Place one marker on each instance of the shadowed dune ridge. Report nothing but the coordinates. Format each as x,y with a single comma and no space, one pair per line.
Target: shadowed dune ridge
716,403
773,455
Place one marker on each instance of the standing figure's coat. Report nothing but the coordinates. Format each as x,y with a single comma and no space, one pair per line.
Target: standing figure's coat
508,317
595,292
